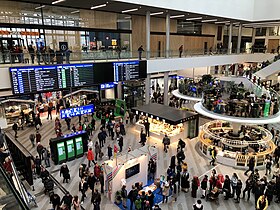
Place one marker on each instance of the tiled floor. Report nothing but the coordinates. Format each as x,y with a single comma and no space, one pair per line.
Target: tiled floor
198,165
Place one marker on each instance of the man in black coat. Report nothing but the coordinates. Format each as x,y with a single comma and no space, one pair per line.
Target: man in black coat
251,165
120,140
65,172
91,181
67,200
132,196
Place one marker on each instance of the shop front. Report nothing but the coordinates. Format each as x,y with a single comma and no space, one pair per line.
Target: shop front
165,120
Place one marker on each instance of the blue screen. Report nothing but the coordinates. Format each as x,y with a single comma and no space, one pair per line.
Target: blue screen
76,111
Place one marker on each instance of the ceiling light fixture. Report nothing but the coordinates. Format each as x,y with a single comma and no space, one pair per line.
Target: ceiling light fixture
195,18
58,1
76,11
40,7
206,21
127,17
226,21
98,6
156,13
129,10
177,16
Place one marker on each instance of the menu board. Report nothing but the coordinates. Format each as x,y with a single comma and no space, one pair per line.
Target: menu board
48,78
130,70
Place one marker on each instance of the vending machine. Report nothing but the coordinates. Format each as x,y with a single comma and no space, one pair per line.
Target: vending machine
79,147
70,149
61,153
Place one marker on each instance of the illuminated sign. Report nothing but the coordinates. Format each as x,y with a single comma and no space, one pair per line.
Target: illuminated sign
76,111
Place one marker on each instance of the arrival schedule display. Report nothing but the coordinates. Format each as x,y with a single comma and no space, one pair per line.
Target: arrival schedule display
124,71
48,78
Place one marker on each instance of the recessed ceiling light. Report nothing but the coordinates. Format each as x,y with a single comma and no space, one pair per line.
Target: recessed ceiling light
195,18
76,11
226,21
40,7
156,13
177,16
206,21
98,6
58,1
129,10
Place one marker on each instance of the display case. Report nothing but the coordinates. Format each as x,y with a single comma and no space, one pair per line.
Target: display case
236,150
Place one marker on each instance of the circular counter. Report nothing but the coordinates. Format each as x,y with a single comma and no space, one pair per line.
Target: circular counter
235,151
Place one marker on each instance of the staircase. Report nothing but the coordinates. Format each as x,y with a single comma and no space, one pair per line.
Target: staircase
273,68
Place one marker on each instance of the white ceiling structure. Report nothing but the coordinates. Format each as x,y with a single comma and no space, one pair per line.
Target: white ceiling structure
247,10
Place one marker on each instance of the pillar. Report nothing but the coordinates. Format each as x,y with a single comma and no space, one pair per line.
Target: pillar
167,48
253,35
148,88
235,127
148,38
239,38
227,70
193,72
165,82
229,38
119,90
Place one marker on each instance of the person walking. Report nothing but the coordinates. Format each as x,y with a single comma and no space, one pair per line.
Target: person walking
124,196
91,181
262,203
96,199
143,137
49,112
110,151
132,196
55,199
248,188
251,165
147,127
67,200
180,51
238,190
213,156
32,139
198,205
40,150
38,137
46,157
140,51
165,192
76,203
83,186
15,129
233,182
203,186
195,185
268,164
64,170
166,143
90,157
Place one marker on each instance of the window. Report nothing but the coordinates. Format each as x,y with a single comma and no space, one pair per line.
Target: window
188,27
260,31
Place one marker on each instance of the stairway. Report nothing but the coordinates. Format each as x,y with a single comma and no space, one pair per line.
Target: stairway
273,68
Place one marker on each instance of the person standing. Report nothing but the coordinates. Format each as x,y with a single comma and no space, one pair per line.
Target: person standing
96,199
120,142
233,182
64,170
226,187
38,137
140,51
166,143
147,127
143,137
40,150
195,185
180,51
49,112
101,180
251,165
76,203
165,191
262,203
91,181
268,164
248,188
97,150
46,157
110,151
124,196
151,198
203,186
55,199
90,157
238,190
132,196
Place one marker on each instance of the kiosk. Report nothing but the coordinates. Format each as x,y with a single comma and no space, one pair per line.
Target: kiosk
68,147
166,120
128,169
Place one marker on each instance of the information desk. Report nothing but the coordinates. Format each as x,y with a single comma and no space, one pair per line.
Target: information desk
235,151
166,120
68,147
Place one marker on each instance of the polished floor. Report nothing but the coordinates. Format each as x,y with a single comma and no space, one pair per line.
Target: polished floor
198,166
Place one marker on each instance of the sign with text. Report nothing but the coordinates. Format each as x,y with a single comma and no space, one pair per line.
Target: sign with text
76,111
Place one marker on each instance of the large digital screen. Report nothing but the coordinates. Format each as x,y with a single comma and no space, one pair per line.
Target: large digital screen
76,111
132,171
47,78
129,70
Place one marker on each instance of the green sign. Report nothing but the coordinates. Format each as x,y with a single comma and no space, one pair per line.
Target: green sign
266,109
79,146
120,107
61,152
70,149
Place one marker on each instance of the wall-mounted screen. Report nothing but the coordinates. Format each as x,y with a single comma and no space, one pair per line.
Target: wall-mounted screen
129,172
76,111
34,79
129,70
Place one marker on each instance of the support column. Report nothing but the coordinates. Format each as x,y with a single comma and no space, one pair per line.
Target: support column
235,127
148,89
239,38
253,35
165,90
119,90
167,48
227,70
193,72
229,38
148,37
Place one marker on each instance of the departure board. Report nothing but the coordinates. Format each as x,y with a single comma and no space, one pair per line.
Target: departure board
48,78
130,70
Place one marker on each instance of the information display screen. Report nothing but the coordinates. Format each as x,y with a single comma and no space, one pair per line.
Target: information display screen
61,151
76,111
79,146
132,171
48,78
130,70
70,149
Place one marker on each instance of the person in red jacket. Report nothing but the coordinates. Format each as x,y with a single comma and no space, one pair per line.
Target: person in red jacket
90,156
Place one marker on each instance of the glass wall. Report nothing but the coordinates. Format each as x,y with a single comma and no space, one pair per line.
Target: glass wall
274,31
188,27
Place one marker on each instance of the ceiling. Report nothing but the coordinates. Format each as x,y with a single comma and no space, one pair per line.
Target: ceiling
118,7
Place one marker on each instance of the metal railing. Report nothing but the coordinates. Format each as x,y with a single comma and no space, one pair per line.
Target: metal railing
49,58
